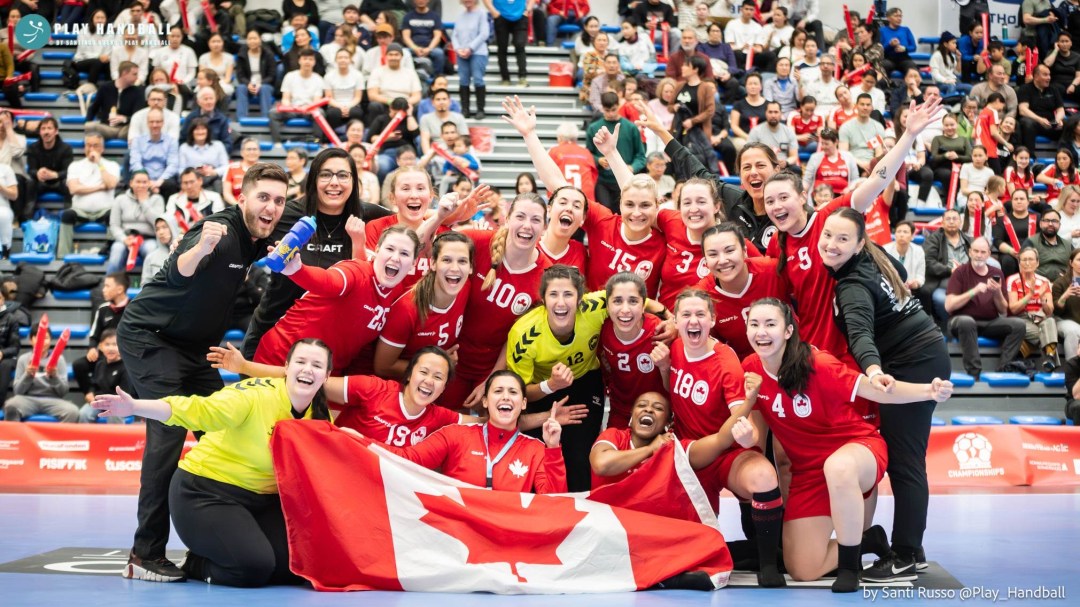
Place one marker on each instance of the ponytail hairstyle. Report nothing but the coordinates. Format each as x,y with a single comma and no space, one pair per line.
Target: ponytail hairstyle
781,237
632,278
424,291
319,409
714,194
796,365
725,227
694,294
498,241
437,351
560,271
876,253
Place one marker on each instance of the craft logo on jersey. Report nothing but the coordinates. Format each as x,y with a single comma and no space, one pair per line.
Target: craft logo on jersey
972,451
645,363
522,303
700,392
801,405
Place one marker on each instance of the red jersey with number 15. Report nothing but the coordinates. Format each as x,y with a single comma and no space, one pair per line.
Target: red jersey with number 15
812,288
440,328
611,252
629,371
703,390
375,408
577,166
732,308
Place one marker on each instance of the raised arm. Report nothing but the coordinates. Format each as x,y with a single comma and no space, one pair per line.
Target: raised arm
919,118
606,142
524,121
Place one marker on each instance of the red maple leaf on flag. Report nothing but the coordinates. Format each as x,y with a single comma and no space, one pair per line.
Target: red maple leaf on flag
495,528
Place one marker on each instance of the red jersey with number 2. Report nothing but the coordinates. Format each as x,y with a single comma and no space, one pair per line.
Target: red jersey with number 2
629,371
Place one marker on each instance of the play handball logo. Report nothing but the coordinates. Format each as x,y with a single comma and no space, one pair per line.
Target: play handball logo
973,451
32,32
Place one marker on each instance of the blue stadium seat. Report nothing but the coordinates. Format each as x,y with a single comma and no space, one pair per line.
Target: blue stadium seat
1006,380
927,211
127,420
804,156
919,56
35,258
1046,140
234,335
962,380
72,97
448,25
311,147
932,41
568,45
1008,43
1035,420
42,418
51,75
133,291
986,342
266,146
49,97
85,258
254,122
50,197
228,376
77,331
1051,380
976,420
92,228
610,29
73,120
732,179
569,28
1039,187
918,239
297,122
937,421
116,144
57,55
71,295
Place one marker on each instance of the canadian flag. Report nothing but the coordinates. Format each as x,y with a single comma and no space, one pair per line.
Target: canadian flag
361,518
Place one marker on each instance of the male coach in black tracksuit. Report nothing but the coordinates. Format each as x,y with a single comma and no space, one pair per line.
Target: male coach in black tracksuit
167,330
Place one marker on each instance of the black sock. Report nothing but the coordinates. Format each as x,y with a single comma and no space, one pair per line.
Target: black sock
768,517
746,515
906,553
849,564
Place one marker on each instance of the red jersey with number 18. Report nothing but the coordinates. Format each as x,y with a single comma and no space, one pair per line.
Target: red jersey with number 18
629,371
731,308
440,328
611,252
375,408
703,390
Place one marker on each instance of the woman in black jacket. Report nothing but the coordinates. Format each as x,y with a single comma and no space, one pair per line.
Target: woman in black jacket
333,202
893,339
247,84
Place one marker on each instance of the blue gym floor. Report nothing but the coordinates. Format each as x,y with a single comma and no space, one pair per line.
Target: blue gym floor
989,542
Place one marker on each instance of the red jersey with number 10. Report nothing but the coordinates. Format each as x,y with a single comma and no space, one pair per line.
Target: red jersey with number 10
629,371
703,390
375,408
611,252
440,328
732,308
577,166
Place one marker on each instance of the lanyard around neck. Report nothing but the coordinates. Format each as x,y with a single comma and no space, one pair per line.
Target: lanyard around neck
488,462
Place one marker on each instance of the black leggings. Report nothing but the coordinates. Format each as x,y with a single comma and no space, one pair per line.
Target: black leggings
906,430
577,439
240,534
503,30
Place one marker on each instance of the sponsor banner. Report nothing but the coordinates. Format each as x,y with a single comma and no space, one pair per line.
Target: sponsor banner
81,456
996,456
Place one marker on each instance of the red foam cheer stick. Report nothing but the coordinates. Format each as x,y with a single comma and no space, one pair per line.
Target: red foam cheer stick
664,40
324,125
977,218
54,358
17,79
954,181
172,72
11,38
850,29
209,14
133,252
23,56
183,16
749,59
441,151
39,342
986,31
394,122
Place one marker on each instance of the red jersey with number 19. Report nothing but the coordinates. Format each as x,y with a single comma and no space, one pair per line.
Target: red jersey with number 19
731,308
611,252
812,288
347,290
375,408
629,371
703,390
440,328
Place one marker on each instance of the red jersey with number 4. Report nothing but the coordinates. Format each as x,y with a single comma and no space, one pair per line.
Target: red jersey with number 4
490,314
629,371
441,327
802,126
373,231
732,308
812,288
347,319
611,252
577,166
703,390
573,255
811,426
375,408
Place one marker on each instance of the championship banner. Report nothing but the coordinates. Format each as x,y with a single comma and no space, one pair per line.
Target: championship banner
102,457
1003,456
361,518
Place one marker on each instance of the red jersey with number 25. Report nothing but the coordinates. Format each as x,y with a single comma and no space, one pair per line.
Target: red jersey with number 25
732,308
440,328
374,407
629,371
577,166
812,288
703,390
611,252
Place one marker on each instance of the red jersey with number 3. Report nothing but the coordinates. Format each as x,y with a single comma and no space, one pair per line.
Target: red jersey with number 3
684,264
490,314
611,252
812,288
811,426
732,308
703,390
375,408
573,255
441,327
577,166
373,231
347,321
629,371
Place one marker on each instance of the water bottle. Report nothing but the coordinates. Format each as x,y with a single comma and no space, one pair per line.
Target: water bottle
289,246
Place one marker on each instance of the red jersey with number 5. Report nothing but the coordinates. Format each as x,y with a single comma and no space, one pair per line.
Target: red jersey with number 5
812,288
361,301
441,327
375,408
811,426
629,371
490,314
577,166
703,390
731,308
611,252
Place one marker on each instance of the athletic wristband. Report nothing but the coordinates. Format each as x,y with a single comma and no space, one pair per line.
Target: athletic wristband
874,373
545,388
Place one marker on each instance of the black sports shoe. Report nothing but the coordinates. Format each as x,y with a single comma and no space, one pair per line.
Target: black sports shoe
194,567
156,570
920,560
892,568
690,580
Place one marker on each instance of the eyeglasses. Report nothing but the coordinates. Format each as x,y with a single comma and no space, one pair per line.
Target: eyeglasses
328,176
1052,221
